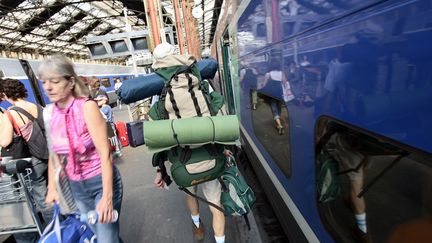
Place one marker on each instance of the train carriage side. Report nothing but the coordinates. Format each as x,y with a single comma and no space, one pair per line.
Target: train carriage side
107,74
361,75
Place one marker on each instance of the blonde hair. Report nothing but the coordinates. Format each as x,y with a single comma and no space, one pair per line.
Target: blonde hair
63,66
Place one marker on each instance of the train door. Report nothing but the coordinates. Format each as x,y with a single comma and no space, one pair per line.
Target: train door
228,88
33,82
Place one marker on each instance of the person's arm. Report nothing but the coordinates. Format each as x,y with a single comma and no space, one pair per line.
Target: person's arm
52,195
284,79
242,74
266,78
6,131
97,128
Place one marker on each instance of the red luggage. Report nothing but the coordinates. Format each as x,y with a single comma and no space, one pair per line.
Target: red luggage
122,133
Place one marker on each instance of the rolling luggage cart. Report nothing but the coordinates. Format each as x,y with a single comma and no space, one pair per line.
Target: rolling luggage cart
17,209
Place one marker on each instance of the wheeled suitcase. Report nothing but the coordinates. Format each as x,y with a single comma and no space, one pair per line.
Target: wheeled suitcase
135,131
122,133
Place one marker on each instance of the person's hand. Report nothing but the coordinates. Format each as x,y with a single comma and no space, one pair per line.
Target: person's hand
158,181
52,196
105,210
228,153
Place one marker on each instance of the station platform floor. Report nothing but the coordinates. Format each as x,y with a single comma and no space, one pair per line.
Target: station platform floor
150,214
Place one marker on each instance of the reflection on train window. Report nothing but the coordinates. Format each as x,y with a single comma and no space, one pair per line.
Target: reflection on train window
370,189
105,82
306,25
272,132
261,30
288,28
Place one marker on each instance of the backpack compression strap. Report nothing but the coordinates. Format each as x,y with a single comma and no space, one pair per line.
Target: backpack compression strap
202,199
192,93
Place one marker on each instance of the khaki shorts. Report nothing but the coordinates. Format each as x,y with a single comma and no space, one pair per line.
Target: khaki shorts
211,189
348,157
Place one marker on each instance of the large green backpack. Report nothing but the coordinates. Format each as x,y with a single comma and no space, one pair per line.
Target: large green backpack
180,83
328,185
186,95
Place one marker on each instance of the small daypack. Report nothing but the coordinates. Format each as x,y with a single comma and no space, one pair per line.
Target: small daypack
328,185
37,144
239,198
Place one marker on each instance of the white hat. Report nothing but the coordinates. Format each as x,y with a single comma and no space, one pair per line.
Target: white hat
162,50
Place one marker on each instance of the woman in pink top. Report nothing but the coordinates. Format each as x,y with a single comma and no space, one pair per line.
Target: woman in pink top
78,133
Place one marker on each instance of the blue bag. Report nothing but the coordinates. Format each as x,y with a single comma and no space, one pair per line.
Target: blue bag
207,68
140,88
71,230
151,84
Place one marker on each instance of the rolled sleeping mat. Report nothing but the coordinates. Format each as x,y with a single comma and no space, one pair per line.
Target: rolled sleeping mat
142,87
139,88
165,134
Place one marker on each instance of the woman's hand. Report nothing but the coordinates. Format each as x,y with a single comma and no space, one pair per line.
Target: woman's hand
52,196
105,210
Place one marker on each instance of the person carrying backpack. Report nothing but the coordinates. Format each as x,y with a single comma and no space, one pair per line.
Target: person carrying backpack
28,118
182,98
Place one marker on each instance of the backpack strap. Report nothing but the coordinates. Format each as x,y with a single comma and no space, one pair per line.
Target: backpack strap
14,125
173,102
202,199
24,112
192,93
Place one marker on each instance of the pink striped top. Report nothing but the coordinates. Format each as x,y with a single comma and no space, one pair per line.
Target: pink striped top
69,132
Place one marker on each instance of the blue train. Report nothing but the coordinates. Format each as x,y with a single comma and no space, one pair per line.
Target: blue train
25,71
361,75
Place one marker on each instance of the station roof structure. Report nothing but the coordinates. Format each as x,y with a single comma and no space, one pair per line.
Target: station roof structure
61,26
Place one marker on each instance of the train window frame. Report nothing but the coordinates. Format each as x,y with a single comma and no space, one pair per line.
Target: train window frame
283,163
406,152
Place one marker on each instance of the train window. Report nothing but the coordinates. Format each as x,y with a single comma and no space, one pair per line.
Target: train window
271,126
118,46
97,49
261,30
105,82
378,187
168,38
139,44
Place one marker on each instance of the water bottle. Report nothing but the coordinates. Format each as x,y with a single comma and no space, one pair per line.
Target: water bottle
91,217
230,162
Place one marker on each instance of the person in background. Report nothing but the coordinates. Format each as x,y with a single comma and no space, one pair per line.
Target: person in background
107,113
14,92
105,109
97,88
117,85
248,79
273,80
80,135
